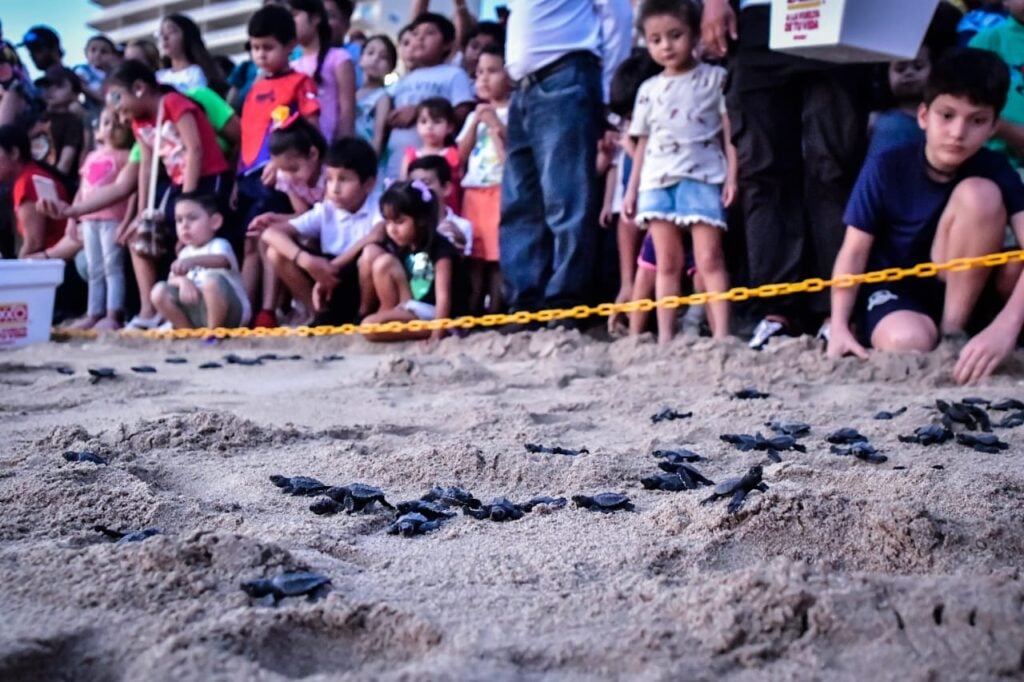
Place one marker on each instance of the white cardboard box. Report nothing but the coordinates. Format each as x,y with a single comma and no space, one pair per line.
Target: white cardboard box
851,30
27,289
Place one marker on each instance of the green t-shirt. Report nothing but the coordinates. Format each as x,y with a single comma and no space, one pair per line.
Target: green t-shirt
217,110
1007,41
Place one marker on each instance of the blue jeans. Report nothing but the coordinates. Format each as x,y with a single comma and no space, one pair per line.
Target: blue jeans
549,192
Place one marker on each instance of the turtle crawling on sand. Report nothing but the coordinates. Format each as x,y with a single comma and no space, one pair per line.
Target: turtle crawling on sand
412,523
846,436
861,450
673,483
973,417
353,498
124,536
544,501
287,584
771,446
299,485
500,509
1007,404
677,455
933,434
668,414
453,495
536,448
72,456
739,488
886,415
784,428
750,394
604,502
690,475
433,511
234,359
1011,421
988,443
144,369
98,374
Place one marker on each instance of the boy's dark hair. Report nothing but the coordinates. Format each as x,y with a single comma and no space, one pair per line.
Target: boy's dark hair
487,28
131,71
345,8
195,50
495,50
435,164
60,75
316,10
273,21
13,138
407,199
437,107
979,76
626,82
205,200
298,136
686,10
443,24
389,47
101,38
354,154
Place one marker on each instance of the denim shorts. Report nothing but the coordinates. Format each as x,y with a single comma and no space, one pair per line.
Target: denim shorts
685,203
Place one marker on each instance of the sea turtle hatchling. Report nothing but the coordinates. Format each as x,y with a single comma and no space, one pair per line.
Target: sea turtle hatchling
176,360
1006,405
210,365
1011,421
750,394
771,446
98,374
861,450
234,359
453,495
667,414
536,448
125,536
500,509
988,443
690,475
604,502
678,455
972,417
287,584
886,415
353,498
432,511
73,456
846,436
932,434
784,428
412,523
144,369
739,488
299,485
544,501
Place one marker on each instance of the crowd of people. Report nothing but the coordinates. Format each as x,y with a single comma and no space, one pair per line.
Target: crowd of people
571,152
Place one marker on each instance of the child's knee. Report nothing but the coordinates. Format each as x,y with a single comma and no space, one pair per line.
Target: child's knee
159,293
384,264
211,288
908,332
710,261
980,198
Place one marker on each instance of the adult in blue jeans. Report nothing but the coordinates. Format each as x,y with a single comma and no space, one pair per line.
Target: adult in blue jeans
549,193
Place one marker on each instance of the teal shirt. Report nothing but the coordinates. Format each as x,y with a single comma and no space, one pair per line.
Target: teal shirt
1007,41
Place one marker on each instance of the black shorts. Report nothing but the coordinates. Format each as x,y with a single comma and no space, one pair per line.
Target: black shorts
343,308
875,301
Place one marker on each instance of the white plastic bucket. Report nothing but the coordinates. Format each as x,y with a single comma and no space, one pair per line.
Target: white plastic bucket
27,289
851,30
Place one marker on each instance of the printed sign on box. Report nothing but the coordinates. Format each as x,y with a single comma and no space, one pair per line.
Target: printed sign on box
13,322
850,30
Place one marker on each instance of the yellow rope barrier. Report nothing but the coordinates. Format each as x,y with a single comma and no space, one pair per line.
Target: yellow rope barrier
580,312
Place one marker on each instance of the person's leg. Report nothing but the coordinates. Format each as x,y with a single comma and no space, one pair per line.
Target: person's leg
223,309
643,288
164,298
92,241
113,266
253,271
390,282
294,278
710,258
905,331
477,276
146,278
972,224
525,245
495,284
394,315
628,239
668,244
367,293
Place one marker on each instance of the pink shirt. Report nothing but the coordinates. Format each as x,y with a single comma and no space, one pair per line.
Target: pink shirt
100,169
328,87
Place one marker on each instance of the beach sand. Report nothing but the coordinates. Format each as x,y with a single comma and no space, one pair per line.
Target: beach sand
842,570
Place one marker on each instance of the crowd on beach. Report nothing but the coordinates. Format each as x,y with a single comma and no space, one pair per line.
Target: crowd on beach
572,152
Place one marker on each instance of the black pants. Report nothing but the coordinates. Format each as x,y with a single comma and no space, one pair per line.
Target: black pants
800,129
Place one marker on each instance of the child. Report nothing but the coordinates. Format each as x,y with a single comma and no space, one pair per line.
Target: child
297,149
681,174
435,126
482,148
205,287
145,51
272,100
407,49
948,198
59,137
1007,41
372,102
414,270
104,257
325,280
101,58
188,63
38,232
431,77
485,34
898,126
330,67
436,174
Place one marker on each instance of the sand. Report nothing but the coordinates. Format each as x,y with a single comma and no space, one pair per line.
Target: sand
843,570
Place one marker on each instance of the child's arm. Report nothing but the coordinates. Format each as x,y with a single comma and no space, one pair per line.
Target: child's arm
490,118
145,168
731,186
852,259
34,225
374,236
66,160
189,133
345,75
213,260
380,124
610,181
633,189
467,141
124,186
403,174
442,293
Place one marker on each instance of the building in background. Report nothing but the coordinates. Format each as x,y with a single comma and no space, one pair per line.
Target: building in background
223,22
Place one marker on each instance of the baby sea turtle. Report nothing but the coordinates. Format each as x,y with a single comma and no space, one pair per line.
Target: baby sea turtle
287,584
739,488
1007,404
982,442
353,498
500,509
210,365
299,485
668,414
750,394
98,374
974,400
668,482
176,360
677,455
1011,421
861,450
932,434
795,429
454,495
846,436
970,416
233,359
268,356
125,536
412,523
771,446
885,415
693,478
432,511
65,370
544,501
604,502
554,450
144,369
333,357
73,456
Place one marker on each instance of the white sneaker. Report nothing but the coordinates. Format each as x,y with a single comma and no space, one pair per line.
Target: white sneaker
764,331
166,327
825,332
139,323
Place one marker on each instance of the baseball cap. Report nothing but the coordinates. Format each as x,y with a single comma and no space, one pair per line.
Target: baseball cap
40,36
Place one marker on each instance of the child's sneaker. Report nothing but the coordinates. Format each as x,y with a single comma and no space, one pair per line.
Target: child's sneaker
266,319
139,323
765,330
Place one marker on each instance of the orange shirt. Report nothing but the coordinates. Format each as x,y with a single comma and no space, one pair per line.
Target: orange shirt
269,103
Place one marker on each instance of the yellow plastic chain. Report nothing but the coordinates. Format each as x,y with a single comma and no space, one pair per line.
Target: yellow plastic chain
580,312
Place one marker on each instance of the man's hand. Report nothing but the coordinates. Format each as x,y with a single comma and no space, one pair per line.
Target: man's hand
983,354
729,191
841,343
717,26
402,117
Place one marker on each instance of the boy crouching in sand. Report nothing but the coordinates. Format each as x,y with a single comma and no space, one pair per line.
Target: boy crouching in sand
205,286
948,198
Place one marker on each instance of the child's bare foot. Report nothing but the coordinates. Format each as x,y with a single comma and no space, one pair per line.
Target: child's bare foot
84,323
107,324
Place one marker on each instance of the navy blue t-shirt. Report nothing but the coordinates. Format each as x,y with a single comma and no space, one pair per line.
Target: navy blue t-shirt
900,205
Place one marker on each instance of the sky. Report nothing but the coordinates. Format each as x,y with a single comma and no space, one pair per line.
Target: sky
67,17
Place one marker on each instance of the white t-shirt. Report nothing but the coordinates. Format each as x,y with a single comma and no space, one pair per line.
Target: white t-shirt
682,118
463,225
337,229
184,81
750,3
219,247
443,80
483,169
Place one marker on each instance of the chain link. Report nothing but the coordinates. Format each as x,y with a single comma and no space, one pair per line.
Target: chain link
580,312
